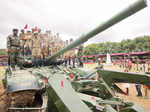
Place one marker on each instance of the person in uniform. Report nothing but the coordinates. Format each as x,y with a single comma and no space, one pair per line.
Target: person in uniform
52,49
36,49
65,60
28,43
22,40
40,34
80,54
33,30
39,31
65,44
47,43
73,61
13,46
44,49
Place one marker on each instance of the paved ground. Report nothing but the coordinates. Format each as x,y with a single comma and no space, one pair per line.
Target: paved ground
142,101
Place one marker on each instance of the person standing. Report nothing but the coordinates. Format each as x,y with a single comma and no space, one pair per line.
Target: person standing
33,30
80,54
22,40
137,65
129,64
138,89
69,60
36,49
65,60
13,46
144,66
73,61
28,43
146,91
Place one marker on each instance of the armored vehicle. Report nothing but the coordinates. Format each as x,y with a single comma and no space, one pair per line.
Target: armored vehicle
55,88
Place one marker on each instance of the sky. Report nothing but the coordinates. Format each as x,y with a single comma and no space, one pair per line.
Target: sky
72,18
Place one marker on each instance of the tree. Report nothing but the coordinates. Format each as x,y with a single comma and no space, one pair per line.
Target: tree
125,46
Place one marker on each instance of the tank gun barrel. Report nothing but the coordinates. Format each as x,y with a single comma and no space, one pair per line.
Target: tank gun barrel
130,10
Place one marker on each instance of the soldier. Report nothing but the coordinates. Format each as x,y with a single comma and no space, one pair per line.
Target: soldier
48,41
33,30
36,49
44,45
40,34
28,43
65,60
44,48
13,46
73,61
72,55
71,40
22,40
65,44
42,37
53,48
39,31
49,50
79,54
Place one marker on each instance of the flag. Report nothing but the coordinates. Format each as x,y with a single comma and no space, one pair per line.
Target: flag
26,26
35,29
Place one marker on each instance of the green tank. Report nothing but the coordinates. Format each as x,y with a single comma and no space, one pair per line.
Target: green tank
56,88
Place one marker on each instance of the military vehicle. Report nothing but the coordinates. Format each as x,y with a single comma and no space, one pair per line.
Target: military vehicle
55,88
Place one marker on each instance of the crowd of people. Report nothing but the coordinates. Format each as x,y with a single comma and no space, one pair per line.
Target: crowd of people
133,64
36,44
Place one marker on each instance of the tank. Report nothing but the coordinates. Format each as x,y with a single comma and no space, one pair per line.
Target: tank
56,88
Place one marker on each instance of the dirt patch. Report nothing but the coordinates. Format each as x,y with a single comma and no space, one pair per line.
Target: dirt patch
142,101
3,97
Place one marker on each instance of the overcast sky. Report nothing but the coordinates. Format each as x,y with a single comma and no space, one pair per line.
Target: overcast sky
72,18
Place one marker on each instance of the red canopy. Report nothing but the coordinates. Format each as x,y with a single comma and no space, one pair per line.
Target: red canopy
120,54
